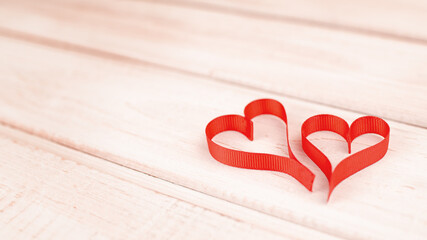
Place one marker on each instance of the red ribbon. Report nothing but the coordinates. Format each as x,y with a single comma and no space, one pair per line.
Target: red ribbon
291,165
260,161
353,163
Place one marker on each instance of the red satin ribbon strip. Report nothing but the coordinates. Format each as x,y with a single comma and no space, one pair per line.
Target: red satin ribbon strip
260,161
355,162
291,165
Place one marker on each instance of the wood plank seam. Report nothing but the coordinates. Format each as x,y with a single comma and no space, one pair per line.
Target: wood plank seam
82,182
326,52
290,19
24,71
208,202
17,35
21,72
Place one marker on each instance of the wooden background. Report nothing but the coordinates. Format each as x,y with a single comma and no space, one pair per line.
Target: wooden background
103,106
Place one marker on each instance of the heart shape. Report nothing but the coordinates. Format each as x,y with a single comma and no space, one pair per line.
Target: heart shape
353,163
260,161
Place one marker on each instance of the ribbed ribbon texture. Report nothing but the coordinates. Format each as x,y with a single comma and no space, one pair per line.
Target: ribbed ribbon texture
260,161
291,165
355,162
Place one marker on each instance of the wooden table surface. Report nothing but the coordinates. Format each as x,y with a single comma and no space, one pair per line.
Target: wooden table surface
103,106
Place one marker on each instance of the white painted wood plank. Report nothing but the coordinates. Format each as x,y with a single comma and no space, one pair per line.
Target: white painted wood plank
50,192
390,18
153,121
366,74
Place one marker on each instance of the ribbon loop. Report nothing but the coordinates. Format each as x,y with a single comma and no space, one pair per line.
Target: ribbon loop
353,163
260,161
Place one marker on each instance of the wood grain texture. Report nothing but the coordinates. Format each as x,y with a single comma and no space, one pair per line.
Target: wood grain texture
50,192
153,121
366,74
400,19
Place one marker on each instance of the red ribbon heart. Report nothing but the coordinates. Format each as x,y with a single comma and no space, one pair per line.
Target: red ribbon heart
355,162
261,161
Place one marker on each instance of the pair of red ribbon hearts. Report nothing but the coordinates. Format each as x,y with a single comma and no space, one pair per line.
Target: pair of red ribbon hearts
291,165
